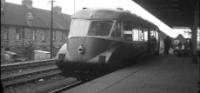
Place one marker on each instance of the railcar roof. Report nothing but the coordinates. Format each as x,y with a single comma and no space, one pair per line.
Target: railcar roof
92,13
109,14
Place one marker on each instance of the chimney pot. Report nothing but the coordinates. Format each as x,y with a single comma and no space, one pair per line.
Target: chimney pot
57,9
27,3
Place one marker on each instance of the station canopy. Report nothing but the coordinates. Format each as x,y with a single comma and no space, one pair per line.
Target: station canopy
172,12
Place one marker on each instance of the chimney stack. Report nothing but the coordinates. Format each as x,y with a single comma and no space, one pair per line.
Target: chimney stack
3,1
27,3
2,6
57,9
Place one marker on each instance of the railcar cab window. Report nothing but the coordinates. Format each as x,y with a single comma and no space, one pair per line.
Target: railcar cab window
116,31
79,27
100,28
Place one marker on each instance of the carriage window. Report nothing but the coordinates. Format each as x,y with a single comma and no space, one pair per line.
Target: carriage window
157,35
141,35
128,35
135,34
145,35
127,31
100,28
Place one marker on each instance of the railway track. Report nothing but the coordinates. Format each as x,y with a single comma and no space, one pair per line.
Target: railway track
70,85
19,73
28,76
30,72
25,65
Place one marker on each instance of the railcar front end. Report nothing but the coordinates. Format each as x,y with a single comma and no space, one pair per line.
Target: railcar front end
100,40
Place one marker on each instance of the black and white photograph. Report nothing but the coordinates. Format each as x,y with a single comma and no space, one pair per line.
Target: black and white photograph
100,46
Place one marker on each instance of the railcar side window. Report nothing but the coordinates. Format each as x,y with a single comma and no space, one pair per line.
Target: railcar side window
100,28
127,31
145,35
140,35
157,35
128,35
135,34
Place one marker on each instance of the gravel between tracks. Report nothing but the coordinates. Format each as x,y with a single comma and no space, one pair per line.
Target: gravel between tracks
33,87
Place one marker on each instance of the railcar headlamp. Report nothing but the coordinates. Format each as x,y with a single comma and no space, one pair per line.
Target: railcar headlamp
81,49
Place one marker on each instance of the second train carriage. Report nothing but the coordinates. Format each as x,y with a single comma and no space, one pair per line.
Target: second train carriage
102,39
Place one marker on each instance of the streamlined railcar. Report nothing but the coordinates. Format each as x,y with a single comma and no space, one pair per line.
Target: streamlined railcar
103,39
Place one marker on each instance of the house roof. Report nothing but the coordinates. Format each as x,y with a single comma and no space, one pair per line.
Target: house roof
14,14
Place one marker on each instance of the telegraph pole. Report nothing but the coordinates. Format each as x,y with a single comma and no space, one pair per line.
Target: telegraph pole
51,31
74,5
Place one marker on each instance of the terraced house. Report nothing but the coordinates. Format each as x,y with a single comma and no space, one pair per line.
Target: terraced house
23,23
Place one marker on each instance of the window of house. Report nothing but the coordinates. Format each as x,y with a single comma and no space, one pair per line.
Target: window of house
33,34
5,33
60,35
18,33
54,35
63,35
43,35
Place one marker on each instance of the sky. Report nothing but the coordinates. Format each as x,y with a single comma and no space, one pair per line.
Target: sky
68,8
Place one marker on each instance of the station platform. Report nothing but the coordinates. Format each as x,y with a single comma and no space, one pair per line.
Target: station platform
162,74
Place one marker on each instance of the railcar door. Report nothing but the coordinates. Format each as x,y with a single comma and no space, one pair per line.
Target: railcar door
135,35
153,41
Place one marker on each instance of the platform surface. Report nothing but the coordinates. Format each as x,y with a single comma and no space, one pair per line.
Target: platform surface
163,74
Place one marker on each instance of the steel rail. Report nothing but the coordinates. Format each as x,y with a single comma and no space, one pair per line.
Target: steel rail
70,85
28,77
27,64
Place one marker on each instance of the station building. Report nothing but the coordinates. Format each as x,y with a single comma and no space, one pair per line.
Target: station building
22,24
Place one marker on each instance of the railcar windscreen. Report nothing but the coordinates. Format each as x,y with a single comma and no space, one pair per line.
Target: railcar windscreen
100,28
79,27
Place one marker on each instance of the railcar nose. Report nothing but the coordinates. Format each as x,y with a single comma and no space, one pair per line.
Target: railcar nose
85,48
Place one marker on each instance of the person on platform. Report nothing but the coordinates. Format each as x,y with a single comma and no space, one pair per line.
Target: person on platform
167,43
